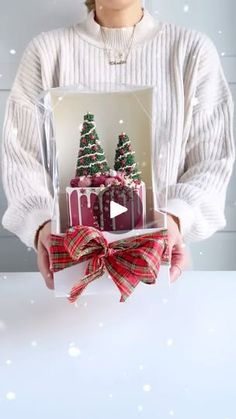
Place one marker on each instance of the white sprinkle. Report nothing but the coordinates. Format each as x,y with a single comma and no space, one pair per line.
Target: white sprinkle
0,75
169,342
32,301
11,395
74,352
110,395
12,51
121,121
140,408
4,277
201,253
141,367
220,32
164,300
147,387
171,412
29,249
34,343
222,54
100,324
8,362
85,304
60,98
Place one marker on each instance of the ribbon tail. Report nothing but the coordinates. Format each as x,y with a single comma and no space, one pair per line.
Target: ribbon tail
77,289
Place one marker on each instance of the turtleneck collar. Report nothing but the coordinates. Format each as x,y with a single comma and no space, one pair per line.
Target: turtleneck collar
145,29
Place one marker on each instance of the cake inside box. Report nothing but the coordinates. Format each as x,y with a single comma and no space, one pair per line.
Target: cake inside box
96,185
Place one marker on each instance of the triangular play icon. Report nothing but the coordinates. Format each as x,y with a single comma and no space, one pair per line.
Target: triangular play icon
116,209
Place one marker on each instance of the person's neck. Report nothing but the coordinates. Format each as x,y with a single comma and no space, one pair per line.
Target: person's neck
119,18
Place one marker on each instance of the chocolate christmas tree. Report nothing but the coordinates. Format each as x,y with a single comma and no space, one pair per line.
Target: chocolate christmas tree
91,159
124,158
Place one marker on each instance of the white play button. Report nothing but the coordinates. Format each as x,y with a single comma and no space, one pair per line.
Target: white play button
116,209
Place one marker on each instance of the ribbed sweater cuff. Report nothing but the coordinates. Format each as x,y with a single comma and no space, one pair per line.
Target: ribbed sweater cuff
34,219
27,228
183,211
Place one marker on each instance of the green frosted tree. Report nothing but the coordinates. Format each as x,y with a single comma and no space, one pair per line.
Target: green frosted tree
91,158
125,157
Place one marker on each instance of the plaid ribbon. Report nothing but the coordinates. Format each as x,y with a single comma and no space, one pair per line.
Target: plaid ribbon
128,261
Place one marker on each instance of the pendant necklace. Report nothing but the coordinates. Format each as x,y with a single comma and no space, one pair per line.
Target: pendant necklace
120,57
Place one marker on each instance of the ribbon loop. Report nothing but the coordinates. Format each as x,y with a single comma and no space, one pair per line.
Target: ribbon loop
128,261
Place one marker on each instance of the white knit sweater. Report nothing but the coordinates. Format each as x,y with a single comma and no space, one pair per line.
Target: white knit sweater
195,114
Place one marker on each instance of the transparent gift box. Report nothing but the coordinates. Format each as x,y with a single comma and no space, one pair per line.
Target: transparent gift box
106,166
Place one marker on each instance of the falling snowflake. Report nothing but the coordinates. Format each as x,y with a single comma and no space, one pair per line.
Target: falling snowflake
147,387
2,326
11,395
74,352
186,8
169,342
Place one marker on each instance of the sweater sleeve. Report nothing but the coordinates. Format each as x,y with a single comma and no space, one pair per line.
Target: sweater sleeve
198,198
26,184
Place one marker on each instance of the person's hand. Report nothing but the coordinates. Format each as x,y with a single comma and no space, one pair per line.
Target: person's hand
43,260
179,256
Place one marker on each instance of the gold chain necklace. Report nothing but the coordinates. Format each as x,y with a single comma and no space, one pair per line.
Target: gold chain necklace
121,59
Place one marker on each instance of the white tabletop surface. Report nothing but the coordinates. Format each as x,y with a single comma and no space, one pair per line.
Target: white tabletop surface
167,352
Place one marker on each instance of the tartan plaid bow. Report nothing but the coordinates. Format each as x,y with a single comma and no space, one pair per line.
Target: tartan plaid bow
128,261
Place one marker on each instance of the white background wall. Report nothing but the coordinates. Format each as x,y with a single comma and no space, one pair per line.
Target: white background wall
20,21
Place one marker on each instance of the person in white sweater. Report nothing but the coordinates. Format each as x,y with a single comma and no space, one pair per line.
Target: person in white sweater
195,114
